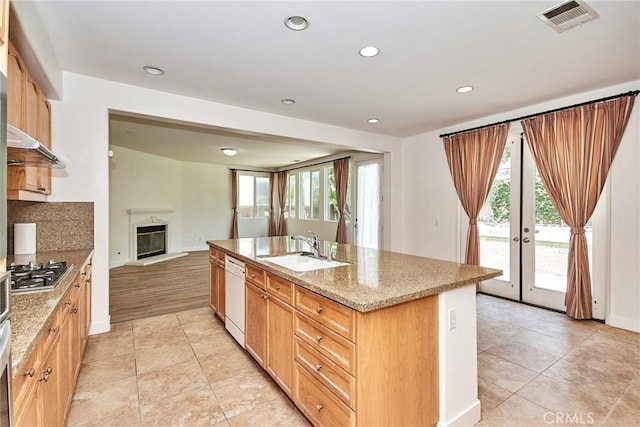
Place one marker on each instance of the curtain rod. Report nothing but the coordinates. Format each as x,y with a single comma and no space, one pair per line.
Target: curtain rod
315,164
287,170
607,98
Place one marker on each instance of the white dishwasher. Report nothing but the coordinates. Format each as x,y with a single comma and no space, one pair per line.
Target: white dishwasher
234,298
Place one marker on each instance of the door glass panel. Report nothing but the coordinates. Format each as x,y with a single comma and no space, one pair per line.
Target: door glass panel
368,205
494,221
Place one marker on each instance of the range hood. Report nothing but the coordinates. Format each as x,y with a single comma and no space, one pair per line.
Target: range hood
23,150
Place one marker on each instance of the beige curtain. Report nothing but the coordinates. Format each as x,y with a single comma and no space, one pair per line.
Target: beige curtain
473,159
234,204
341,174
573,150
272,231
282,201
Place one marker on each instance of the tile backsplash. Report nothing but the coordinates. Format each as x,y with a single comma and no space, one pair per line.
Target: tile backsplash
59,225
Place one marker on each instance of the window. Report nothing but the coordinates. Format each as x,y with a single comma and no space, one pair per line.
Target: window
291,196
331,196
310,195
253,196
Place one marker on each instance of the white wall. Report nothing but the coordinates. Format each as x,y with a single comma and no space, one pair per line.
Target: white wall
140,180
431,209
80,132
206,204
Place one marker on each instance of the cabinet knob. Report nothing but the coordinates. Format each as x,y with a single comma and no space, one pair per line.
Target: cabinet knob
319,407
68,302
263,296
278,288
75,310
53,329
42,189
319,310
77,285
47,371
318,339
30,373
318,368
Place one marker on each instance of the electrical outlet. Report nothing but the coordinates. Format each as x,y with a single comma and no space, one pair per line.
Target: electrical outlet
453,319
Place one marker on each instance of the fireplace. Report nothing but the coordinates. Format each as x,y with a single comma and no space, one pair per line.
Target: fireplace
151,241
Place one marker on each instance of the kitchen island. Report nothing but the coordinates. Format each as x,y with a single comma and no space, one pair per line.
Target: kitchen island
388,339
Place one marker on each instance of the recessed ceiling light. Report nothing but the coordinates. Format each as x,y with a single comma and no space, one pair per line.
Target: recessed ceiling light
464,89
287,101
369,51
229,151
373,120
296,23
153,70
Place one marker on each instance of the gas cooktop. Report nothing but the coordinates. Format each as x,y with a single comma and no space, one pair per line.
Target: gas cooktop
36,277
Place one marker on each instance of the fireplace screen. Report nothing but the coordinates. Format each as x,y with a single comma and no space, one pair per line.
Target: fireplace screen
152,241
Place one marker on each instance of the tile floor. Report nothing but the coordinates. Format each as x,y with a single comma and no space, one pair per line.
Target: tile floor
535,368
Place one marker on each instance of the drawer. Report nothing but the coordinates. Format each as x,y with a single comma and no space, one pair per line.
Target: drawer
335,316
255,275
220,255
27,377
335,347
319,404
334,378
213,254
281,288
52,329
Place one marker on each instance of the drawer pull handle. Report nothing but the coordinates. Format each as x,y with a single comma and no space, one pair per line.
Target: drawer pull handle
30,373
319,407
318,368
318,339
319,310
278,288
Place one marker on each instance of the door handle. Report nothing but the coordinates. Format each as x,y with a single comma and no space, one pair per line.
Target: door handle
526,240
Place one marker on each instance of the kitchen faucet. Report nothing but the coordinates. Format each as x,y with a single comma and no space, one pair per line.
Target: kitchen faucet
313,242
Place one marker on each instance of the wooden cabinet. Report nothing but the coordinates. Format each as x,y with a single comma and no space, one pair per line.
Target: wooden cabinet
255,333
29,111
42,392
217,282
269,324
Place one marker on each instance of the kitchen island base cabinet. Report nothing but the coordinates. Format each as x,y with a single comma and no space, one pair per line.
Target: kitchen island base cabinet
217,283
255,336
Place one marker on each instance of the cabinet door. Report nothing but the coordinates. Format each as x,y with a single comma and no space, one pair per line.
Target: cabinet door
213,284
255,327
44,137
50,388
280,343
220,281
16,75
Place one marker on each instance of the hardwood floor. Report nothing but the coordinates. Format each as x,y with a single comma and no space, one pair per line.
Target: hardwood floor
167,287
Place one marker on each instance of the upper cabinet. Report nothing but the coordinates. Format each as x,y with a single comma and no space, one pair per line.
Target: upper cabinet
29,111
4,34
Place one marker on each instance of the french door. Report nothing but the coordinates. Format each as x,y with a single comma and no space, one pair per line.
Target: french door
522,234
368,223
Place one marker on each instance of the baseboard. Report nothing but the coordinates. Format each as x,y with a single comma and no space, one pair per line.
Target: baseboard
467,418
116,264
100,327
203,247
156,259
624,323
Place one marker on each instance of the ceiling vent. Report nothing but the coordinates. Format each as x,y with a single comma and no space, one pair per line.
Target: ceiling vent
568,15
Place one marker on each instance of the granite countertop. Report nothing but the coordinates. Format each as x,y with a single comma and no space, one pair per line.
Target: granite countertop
31,311
373,280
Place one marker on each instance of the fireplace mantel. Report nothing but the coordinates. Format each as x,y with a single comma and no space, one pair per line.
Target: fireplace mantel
144,211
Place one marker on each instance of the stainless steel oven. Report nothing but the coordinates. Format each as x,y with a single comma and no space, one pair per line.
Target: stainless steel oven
5,350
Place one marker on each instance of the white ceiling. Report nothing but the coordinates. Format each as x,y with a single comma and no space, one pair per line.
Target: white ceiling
240,53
